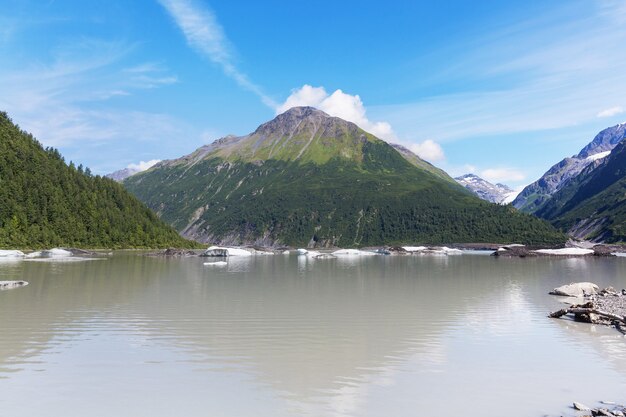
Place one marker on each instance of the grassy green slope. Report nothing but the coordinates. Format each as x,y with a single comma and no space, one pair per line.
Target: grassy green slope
44,202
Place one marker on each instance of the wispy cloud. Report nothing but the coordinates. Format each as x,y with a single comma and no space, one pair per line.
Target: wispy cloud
204,33
428,150
611,112
65,102
143,165
547,73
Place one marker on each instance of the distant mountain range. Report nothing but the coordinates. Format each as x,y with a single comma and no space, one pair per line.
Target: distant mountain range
45,202
306,178
585,195
494,193
122,174
536,194
132,169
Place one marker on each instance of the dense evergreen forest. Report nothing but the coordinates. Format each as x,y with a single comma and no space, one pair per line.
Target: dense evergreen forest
45,202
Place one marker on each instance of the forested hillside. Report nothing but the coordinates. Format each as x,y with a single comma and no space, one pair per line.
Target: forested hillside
46,202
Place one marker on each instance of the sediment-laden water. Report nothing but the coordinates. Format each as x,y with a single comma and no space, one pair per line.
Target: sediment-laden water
290,336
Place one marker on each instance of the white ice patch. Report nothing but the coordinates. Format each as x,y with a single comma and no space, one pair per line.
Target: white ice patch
50,253
11,253
230,251
510,197
566,251
597,156
413,248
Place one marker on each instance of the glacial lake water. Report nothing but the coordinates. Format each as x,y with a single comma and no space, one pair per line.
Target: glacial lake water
288,336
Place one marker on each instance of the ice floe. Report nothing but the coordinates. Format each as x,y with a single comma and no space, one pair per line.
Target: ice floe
566,251
11,253
220,251
414,248
8,285
50,253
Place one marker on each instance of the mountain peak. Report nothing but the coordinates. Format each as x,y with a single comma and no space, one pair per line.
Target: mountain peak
303,112
495,193
604,141
305,119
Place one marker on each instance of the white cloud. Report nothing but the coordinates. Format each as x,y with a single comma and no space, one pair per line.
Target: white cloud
143,165
611,111
339,104
428,150
66,103
469,169
495,175
204,33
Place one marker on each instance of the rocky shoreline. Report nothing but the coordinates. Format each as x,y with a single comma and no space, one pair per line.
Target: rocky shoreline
605,408
605,307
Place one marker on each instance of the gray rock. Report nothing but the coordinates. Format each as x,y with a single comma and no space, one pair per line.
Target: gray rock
581,407
576,289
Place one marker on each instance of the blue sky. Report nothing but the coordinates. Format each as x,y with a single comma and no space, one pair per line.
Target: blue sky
504,89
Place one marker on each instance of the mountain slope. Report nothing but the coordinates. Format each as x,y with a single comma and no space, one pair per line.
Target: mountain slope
536,194
420,163
308,178
44,202
494,193
593,204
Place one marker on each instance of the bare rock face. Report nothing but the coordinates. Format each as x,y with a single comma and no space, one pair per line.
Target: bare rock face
576,289
494,193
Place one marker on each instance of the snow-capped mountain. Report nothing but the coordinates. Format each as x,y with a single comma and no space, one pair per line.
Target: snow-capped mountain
559,175
495,193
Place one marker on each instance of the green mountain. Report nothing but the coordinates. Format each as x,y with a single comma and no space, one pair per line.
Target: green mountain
306,178
44,202
593,204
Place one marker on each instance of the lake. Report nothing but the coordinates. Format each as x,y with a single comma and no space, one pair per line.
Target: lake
290,336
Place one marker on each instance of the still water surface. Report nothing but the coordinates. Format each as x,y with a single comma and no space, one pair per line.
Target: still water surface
289,336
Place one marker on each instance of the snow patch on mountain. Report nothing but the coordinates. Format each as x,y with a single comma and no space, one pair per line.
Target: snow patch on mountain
597,156
494,193
559,175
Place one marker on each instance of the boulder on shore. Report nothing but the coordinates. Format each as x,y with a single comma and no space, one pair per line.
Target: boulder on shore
576,289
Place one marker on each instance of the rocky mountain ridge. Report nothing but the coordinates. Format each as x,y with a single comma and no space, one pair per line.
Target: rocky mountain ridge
494,193
558,176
